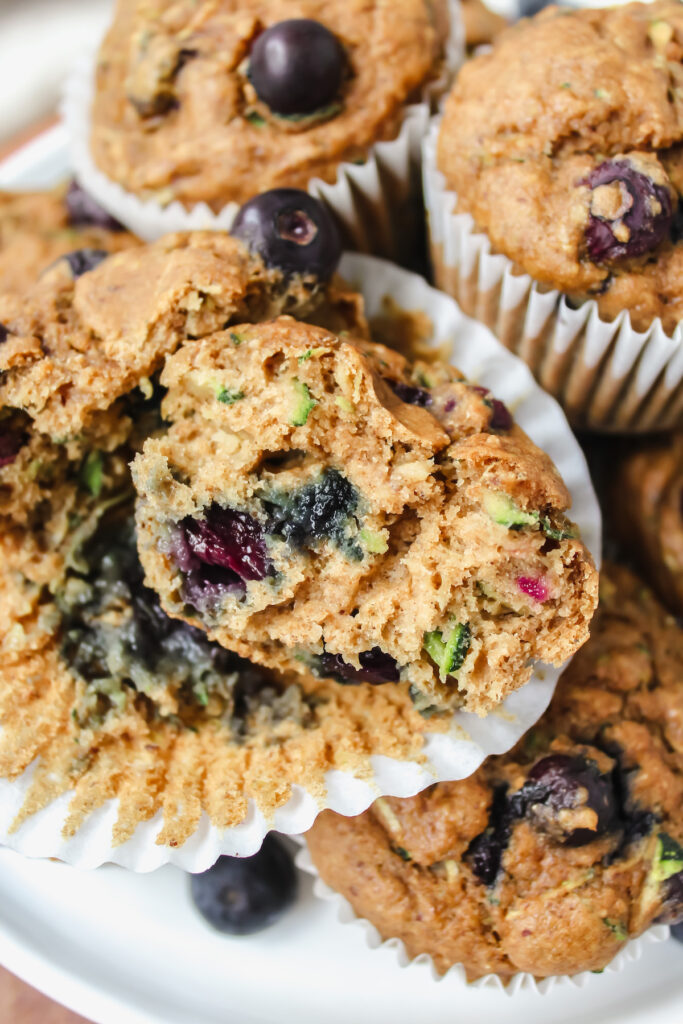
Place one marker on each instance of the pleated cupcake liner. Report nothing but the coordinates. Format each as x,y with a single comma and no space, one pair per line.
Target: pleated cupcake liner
606,375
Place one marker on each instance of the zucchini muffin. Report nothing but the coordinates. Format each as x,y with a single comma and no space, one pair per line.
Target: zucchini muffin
321,504
105,696
36,228
564,143
80,350
550,858
213,102
648,491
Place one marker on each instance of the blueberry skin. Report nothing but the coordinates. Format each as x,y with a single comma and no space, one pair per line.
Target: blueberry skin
377,667
10,445
84,211
4,333
296,66
562,782
228,539
647,229
83,260
242,895
672,904
290,230
409,394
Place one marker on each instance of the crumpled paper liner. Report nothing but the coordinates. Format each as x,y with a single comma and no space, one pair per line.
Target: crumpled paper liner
606,375
377,203
456,976
448,755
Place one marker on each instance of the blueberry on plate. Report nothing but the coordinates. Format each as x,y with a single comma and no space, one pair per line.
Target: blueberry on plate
86,211
296,66
82,260
241,895
290,230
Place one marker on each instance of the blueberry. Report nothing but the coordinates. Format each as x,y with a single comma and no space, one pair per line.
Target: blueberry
4,333
224,550
84,210
672,906
501,418
241,895
561,783
485,852
296,66
290,230
408,394
82,260
317,511
629,222
10,445
377,667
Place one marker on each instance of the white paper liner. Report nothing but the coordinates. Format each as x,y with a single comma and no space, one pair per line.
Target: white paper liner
451,755
456,977
606,375
377,202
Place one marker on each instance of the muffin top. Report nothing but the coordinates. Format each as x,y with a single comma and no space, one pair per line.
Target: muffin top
36,228
549,858
563,143
189,107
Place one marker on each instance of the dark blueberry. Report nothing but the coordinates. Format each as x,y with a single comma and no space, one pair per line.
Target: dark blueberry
563,783
296,66
318,511
229,540
82,260
241,895
409,394
377,667
672,906
290,230
4,333
485,852
84,210
644,214
501,418
11,443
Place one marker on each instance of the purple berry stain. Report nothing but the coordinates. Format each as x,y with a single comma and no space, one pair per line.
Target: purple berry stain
409,394
534,587
629,213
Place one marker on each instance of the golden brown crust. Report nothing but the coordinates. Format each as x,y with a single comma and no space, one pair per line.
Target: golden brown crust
526,123
551,907
203,147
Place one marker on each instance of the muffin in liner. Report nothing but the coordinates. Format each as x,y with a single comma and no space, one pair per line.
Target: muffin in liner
443,749
606,375
377,203
456,977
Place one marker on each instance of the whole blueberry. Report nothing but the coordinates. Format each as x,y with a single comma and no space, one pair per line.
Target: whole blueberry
377,667
409,394
628,222
567,797
296,66
82,260
241,895
290,230
86,211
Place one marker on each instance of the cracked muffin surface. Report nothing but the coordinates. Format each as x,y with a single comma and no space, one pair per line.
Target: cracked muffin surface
179,113
550,857
323,504
564,144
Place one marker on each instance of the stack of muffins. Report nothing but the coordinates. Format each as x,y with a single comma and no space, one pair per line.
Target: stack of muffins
244,542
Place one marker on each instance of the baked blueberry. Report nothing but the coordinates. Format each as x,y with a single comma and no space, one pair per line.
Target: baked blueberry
629,213
10,445
82,260
409,394
3,333
228,539
377,667
290,230
84,210
568,797
296,66
241,895
317,511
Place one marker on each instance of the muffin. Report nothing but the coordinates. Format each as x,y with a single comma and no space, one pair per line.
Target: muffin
648,492
81,348
559,151
548,859
480,23
36,228
321,504
205,105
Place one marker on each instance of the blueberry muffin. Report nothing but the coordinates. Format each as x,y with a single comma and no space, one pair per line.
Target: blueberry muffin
321,503
550,858
563,143
36,228
648,492
80,349
213,102
108,697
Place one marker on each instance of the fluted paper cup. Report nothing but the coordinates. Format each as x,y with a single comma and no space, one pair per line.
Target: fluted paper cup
606,375
377,203
448,749
456,976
